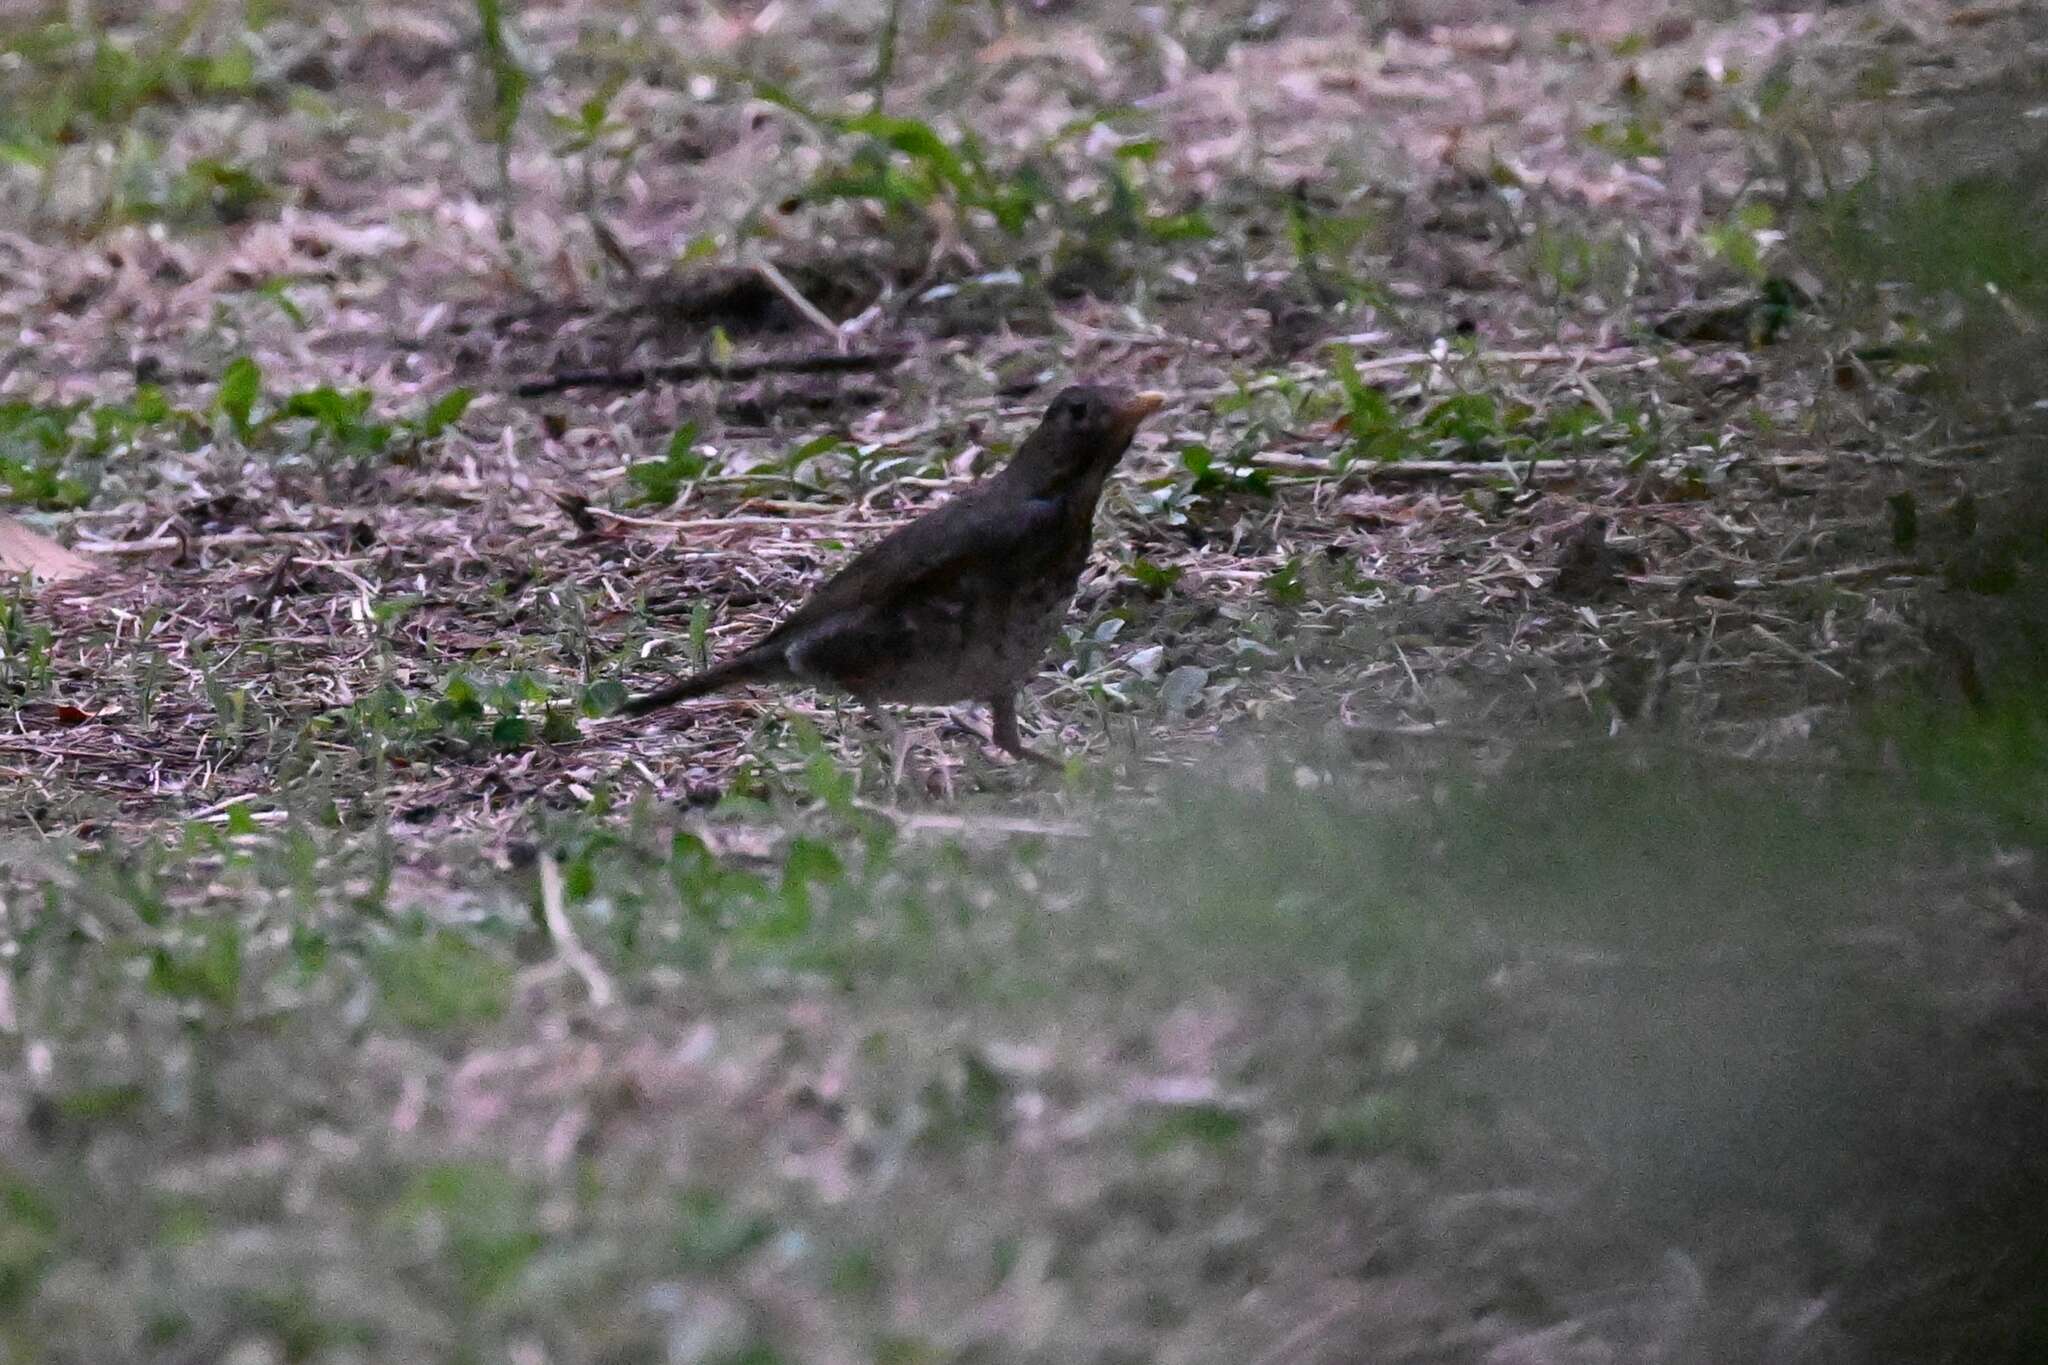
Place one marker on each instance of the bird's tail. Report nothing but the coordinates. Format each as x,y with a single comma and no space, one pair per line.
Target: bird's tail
748,667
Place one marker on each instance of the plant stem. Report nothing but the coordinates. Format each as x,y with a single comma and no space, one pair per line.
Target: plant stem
508,94
885,54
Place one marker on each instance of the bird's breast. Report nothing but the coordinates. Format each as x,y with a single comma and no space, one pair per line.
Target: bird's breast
980,639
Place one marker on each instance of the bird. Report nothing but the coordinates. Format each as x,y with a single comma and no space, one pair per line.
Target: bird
961,603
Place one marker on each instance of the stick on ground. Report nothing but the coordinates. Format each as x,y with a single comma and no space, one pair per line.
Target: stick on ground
814,362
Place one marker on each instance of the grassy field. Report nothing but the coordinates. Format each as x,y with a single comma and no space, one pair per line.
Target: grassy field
1550,864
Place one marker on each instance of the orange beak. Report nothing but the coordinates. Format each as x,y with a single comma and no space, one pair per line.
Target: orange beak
1134,410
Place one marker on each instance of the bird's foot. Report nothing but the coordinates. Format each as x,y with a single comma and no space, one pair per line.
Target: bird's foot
1005,735
987,736
899,746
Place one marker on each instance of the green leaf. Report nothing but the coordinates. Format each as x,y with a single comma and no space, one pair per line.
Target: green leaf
386,610
783,98
511,732
1205,1125
659,481
28,1240
917,140
459,700
1377,1125
1374,428
508,78
811,449
810,862
1631,138
1212,476
211,975
559,726
1180,227
700,634
491,1223
42,485
445,412
828,782
229,192
1284,584
1154,577
326,406
36,427
603,698
441,982
710,1235
241,384
1468,419
100,1103
1344,364
860,1274
683,445
279,293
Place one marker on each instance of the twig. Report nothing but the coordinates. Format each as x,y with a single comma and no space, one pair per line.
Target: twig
1623,357
219,810
155,543
833,514
1295,1344
1853,573
1408,668
1894,568
1793,651
812,314
1375,471
933,822
567,945
615,250
815,362
1614,358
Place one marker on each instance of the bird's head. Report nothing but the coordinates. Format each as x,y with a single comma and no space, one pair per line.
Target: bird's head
1085,432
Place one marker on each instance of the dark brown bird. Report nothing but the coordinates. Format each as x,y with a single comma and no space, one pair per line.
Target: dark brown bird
961,604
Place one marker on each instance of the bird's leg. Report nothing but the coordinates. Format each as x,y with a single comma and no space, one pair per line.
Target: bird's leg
1002,711
899,742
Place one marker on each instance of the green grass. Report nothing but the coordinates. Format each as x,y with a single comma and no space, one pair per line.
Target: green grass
928,1007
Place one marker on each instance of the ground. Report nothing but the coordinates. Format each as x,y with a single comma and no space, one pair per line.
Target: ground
1484,916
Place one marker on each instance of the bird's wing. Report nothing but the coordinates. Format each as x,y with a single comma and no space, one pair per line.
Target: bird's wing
973,535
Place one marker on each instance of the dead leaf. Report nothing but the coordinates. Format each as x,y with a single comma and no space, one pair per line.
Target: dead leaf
1976,16
1489,42
1377,509
26,551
